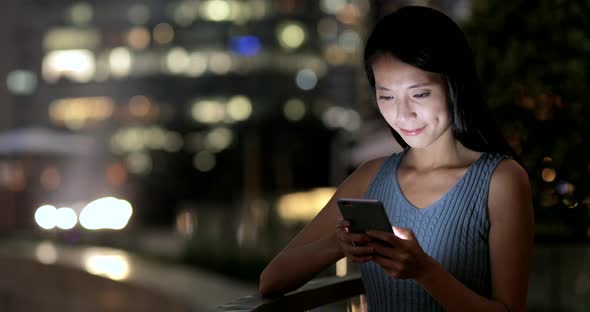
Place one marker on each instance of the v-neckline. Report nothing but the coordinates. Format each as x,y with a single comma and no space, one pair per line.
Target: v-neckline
443,197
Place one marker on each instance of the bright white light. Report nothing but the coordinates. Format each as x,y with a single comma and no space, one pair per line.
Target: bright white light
106,213
78,65
306,79
46,217
46,253
66,218
108,263
120,61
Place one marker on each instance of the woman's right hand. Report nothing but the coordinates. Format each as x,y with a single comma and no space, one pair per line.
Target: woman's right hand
354,246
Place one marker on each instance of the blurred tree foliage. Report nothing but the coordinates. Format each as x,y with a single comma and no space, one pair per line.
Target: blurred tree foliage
534,63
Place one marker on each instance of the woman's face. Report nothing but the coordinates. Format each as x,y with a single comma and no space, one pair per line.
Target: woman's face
412,101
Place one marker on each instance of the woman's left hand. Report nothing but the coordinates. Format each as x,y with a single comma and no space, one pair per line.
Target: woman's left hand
401,256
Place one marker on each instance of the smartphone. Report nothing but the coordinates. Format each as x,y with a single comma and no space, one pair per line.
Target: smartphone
364,215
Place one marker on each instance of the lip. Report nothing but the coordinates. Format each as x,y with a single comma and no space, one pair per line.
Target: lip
412,132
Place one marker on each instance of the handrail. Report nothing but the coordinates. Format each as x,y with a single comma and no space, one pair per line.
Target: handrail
315,293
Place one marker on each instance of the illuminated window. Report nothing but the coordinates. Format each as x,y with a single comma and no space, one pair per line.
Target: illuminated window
77,65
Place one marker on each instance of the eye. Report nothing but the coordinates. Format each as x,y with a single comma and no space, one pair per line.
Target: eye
386,97
422,95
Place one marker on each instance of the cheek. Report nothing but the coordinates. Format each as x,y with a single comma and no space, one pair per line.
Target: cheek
388,111
439,114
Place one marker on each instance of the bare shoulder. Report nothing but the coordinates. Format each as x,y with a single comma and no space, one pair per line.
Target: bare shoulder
370,167
509,175
360,179
510,190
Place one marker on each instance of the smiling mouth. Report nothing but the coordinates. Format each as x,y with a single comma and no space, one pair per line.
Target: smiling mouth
412,132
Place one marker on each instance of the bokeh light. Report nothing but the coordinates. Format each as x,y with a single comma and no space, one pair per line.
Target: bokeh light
163,33
548,174
306,79
66,218
107,262
239,108
106,213
21,82
294,109
303,206
45,217
139,14
120,60
204,161
77,65
80,13
46,253
218,139
216,10
291,35
138,38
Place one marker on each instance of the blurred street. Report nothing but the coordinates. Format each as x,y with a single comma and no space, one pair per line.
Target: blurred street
189,289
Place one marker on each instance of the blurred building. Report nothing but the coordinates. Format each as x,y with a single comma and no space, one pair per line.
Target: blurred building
168,102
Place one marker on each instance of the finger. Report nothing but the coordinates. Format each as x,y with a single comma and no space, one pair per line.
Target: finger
343,223
391,267
389,252
357,251
354,238
361,259
384,236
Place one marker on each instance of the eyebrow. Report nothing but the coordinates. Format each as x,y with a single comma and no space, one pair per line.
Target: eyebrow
418,85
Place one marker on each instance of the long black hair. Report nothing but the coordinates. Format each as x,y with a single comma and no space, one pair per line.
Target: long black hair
428,39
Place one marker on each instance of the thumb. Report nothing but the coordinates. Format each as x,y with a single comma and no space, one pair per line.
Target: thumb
403,233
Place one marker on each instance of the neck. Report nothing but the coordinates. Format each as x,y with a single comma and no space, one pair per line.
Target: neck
449,153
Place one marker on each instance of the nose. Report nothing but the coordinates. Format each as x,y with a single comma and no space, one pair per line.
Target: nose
405,110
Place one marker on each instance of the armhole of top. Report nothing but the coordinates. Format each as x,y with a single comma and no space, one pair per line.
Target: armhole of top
486,193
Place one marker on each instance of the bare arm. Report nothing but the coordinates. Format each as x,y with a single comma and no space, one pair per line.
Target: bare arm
510,242
315,247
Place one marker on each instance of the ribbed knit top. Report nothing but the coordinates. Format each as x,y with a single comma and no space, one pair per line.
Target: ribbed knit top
453,231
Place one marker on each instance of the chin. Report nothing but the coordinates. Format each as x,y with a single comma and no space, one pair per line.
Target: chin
417,143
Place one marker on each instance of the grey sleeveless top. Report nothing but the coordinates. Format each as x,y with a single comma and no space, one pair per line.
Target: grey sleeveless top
453,231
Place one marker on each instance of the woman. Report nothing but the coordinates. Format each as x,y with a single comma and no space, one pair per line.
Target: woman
459,202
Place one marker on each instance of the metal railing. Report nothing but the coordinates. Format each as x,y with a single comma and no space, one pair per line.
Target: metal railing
317,292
